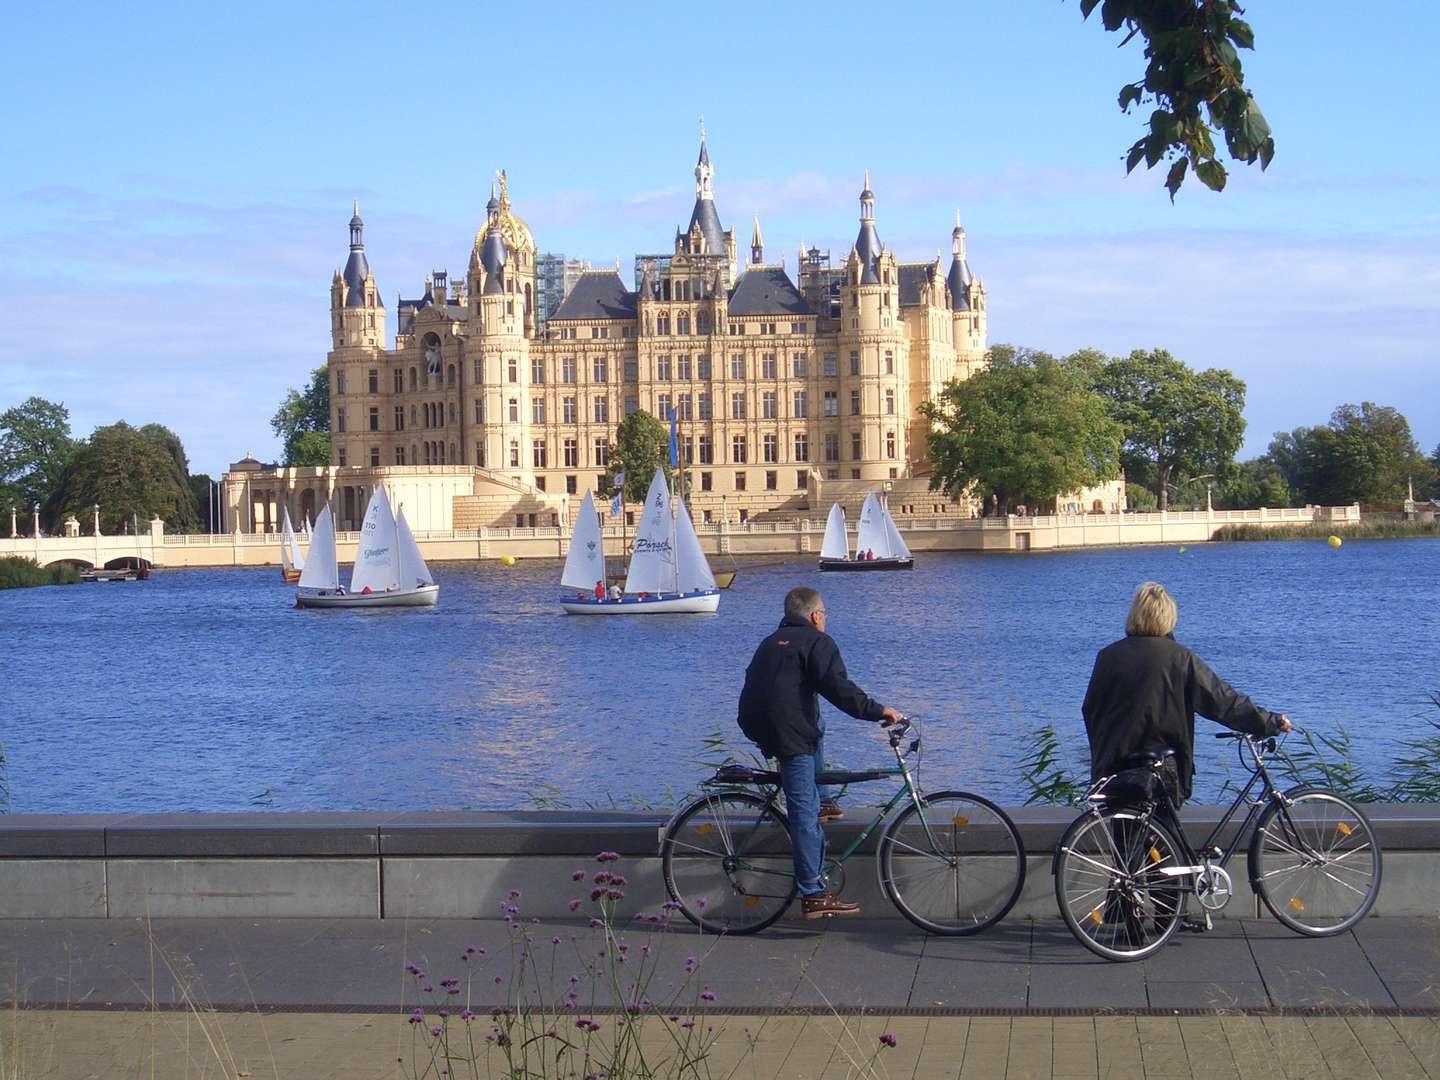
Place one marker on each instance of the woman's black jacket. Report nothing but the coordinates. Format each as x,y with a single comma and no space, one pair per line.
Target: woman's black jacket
1144,694
779,711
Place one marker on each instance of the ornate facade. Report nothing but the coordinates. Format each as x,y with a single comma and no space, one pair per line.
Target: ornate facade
779,385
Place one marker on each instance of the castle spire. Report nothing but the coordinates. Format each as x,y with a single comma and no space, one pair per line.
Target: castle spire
703,172
757,244
867,243
357,267
357,230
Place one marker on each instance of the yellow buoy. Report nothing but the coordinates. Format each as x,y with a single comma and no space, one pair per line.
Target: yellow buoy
507,560
1334,541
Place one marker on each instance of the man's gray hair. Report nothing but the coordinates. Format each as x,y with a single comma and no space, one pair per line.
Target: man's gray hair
802,601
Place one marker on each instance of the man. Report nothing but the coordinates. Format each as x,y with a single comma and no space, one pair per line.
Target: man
780,713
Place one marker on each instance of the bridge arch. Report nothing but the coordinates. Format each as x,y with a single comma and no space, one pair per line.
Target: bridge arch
128,562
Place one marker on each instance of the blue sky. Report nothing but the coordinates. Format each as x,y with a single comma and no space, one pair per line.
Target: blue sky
177,181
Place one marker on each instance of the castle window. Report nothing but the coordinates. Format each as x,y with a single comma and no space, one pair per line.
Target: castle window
512,369
479,410
400,419
802,405
706,410
662,368
707,483
567,370
702,367
682,368
412,415
602,409
737,406
686,409
738,450
707,452
399,455
702,323
567,410
797,328
890,444
374,418
342,456
740,486
340,418
450,375
770,448
571,450
737,329
768,408
477,373
682,324
570,487
830,368
540,486
537,410
413,379
514,410
801,475
767,365
399,380
737,366
452,412
632,369
889,362
537,370
375,457
602,453
832,449
889,402
600,369
772,479
855,448
632,404
800,366
538,454
339,382
854,362
514,453
479,453
832,403
854,402
802,446
662,325
662,406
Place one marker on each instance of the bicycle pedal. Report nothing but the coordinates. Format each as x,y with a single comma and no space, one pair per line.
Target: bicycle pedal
1195,926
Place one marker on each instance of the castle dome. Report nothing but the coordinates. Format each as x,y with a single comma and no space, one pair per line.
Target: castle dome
512,229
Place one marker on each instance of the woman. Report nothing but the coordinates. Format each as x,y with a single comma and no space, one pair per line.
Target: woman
1146,689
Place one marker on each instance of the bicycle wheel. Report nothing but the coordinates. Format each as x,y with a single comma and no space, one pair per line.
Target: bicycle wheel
727,863
1315,863
1112,886
955,869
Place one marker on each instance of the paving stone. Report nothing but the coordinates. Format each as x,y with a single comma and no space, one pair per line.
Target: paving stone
1219,996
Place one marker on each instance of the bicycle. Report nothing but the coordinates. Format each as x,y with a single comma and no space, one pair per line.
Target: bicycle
1124,868
951,862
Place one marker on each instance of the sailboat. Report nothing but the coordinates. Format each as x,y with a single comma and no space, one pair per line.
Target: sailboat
389,570
668,571
878,544
291,561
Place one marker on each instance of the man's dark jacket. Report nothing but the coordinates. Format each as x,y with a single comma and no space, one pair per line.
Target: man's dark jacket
778,707
1144,694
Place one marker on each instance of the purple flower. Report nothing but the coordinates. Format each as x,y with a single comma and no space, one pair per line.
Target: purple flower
469,950
608,856
467,1014
688,1024
615,894
444,1013
574,979
707,994
435,1031
497,980
596,894
887,1040
602,877
689,964
623,947
554,941
578,875
574,905
413,970
427,988
417,1017
595,924
453,990
700,902
514,894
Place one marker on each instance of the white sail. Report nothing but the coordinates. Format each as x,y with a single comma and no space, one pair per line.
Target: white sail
652,563
897,542
693,568
414,572
290,555
835,545
872,536
377,557
320,570
585,565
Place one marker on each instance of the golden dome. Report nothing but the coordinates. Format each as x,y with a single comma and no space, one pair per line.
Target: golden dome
513,231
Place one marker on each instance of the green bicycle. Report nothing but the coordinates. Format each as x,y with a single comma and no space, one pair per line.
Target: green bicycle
951,862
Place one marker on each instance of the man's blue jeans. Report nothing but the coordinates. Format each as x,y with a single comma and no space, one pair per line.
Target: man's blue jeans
802,805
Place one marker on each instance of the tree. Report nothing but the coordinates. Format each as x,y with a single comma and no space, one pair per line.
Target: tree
305,413
1255,483
35,445
168,441
1025,428
642,445
1366,454
1178,421
131,478
202,491
1191,48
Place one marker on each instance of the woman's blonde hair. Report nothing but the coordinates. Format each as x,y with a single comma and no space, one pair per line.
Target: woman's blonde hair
1152,613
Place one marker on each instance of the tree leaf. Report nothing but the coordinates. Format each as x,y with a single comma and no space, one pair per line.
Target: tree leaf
1267,151
1137,152
1241,34
1086,7
1211,174
1176,176
1130,95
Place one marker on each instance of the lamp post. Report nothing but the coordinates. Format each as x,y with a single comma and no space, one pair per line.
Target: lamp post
96,508
36,510
14,532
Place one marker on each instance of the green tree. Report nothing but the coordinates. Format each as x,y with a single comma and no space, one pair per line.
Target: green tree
1193,65
1025,428
202,491
1366,454
642,445
304,413
1253,484
35,445
131,477
174,449
1177,421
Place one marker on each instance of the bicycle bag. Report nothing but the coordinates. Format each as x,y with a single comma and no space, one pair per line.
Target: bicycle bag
1128,787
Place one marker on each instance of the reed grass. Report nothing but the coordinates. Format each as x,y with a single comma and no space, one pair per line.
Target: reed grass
21,572
1378,530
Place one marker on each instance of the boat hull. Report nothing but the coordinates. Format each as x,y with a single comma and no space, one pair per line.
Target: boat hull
425,596
852,565
701,603
290,576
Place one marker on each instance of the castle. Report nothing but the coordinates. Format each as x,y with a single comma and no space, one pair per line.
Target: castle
779,387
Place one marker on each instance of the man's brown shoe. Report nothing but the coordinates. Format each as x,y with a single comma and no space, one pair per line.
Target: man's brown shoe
826,905
830,811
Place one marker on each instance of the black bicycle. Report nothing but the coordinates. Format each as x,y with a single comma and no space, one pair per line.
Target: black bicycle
951,862
1124,868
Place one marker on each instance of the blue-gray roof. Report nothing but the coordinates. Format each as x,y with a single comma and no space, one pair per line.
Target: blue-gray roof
493,259
767,290
912,276
599,294
357,269
958,280
710,227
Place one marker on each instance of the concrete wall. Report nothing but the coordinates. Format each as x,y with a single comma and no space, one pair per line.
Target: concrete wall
462,865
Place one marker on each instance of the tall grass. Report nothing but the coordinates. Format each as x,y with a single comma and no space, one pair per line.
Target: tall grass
20,572
1377,530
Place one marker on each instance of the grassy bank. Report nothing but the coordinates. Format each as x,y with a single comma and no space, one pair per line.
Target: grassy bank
1380,530
18,572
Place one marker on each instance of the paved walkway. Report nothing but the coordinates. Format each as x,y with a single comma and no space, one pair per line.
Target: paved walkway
204,998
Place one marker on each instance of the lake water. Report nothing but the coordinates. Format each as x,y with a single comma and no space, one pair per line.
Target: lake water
208,690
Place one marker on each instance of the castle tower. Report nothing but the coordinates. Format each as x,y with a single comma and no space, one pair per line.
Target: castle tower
967,307
705,235
757,244
357,332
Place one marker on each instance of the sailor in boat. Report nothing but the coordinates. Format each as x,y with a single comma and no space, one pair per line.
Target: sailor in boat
600,591
615,593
